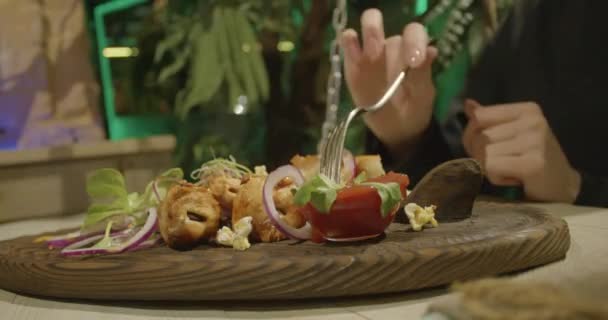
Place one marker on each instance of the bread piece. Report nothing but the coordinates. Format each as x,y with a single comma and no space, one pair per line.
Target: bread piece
370,164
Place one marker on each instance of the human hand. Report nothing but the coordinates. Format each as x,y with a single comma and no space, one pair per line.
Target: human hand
371,69
516,146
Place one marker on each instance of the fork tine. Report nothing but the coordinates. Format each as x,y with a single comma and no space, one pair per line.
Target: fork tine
323,158
340,151
330,153
325,153
336,150
331,147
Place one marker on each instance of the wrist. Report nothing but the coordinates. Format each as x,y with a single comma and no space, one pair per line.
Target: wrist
397,141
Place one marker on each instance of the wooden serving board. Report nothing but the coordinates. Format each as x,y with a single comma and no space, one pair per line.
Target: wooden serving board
498,238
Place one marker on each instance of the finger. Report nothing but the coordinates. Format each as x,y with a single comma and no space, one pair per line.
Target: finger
373,33
497,114
392,48
516,146
350,44
478,147
424,72
467,137
504,170
470,106
509,130
471,128
415,41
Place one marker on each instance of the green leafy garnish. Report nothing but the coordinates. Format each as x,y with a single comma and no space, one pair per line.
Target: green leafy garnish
323,198
322,192
221,165
360,178
319,191
109,196
106,242
390,195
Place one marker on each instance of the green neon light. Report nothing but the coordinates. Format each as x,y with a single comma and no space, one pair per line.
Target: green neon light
104,64
421,7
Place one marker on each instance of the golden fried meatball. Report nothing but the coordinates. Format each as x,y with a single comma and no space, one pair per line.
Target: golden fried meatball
224,188
308,165
189,214
248,202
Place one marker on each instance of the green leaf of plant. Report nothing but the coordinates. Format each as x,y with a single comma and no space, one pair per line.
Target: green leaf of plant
361,177
222,29
172,41
98,212
236,62
111,197
390,195
247,52
319,191
256,68
108,184
176,66
323,198
206,75
106,241
134,200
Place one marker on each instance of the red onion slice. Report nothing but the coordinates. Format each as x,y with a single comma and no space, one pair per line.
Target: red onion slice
349,165
303,233
151,225
151,242
120,222
67,239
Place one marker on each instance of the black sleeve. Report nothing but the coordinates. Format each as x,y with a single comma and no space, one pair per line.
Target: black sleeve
594,191
431,151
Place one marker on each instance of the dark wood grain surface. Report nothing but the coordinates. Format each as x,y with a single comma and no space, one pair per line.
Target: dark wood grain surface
452,186
498,238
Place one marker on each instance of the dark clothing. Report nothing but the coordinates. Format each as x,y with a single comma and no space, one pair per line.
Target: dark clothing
553,54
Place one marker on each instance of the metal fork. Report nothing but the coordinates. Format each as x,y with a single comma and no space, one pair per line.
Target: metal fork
332,149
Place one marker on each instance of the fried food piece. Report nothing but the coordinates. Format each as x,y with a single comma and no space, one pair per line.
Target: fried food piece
283,200
370,164
224,188
189,214
309,165
249,202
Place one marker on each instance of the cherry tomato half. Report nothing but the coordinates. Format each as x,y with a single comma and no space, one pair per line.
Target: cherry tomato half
356,212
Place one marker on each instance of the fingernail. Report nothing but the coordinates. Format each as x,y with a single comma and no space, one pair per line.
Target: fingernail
414,58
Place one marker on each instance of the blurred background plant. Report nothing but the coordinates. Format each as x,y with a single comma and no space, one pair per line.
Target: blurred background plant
211,61
248,77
